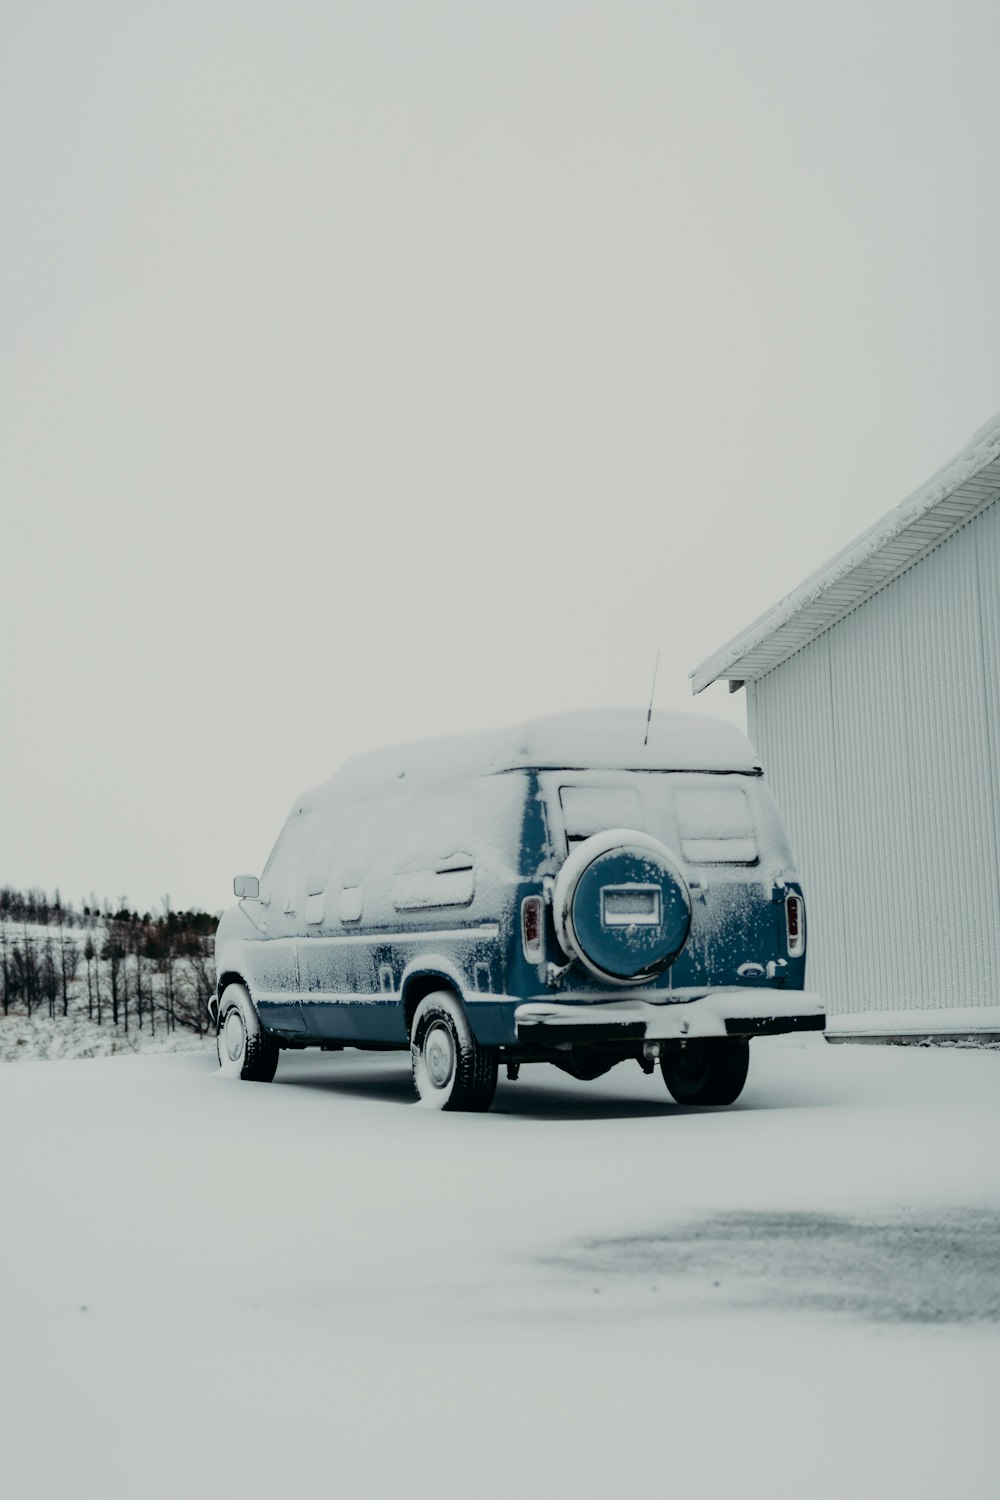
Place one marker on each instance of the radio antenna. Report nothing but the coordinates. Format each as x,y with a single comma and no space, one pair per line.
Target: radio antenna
649,711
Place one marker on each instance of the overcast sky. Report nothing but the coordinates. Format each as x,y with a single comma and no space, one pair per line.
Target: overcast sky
377,370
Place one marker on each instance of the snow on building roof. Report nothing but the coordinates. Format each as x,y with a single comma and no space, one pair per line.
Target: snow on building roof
598,739
894,543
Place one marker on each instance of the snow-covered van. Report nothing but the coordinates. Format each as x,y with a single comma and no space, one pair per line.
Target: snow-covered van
571,891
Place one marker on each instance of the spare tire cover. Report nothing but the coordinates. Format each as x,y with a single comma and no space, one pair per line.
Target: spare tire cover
622,906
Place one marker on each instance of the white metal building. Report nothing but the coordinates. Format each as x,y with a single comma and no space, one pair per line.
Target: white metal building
873,698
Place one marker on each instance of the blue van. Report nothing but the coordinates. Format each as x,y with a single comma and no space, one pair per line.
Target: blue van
566,891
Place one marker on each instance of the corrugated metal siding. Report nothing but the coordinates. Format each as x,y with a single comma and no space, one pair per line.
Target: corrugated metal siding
881,740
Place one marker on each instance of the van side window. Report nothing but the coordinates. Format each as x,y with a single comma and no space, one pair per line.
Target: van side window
433,865
332,847
716,826
282,878
361,866
326,838
351,903
452,884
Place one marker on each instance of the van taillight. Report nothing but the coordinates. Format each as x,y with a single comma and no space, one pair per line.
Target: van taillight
795,922
532,929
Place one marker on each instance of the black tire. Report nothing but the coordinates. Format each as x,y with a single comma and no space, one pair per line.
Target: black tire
706,1070
450,1069
245,1049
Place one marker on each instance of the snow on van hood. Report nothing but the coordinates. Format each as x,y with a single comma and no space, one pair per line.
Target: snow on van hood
597,739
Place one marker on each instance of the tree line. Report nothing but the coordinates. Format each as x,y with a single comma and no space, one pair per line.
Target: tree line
154,970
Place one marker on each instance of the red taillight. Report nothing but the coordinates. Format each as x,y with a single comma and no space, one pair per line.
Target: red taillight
532,929
795,924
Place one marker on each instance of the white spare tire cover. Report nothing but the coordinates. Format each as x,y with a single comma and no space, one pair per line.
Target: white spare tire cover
622,906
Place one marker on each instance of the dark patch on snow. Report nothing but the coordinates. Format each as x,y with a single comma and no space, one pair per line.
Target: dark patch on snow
910,1268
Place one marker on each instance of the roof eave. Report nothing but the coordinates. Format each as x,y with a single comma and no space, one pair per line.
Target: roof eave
888,548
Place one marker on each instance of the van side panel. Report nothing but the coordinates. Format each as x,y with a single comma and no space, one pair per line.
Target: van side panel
418,879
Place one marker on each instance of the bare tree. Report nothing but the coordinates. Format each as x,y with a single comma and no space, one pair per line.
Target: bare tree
4,964
69,963
199,989
50,975
89,954
114,953
27,977
166,965
136,937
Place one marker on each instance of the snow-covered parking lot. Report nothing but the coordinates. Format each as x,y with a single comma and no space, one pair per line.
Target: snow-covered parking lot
315,1287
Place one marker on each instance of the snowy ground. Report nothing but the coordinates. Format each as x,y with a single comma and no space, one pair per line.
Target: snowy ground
314,1287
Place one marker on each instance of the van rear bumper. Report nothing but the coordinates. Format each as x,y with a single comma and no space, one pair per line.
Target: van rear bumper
708,1013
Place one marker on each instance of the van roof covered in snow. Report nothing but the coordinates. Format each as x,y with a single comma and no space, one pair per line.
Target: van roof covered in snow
599,739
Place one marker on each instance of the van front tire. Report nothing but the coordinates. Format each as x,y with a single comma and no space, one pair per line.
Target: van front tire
705,1070
450,1069
245,1049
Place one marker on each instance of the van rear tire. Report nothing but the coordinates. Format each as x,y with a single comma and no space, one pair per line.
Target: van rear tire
706,1070
450,1069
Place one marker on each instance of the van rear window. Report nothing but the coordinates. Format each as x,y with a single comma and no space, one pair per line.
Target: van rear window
716,827
592,809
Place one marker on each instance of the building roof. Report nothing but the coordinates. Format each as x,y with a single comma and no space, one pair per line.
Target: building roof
598,739
903,535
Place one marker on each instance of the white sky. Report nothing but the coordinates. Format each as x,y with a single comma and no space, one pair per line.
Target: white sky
378,370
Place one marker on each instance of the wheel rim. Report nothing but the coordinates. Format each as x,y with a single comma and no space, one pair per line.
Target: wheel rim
691,1063
235,1036
439,1054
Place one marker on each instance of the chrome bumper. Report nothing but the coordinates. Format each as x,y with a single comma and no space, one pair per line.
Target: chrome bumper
703,1013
